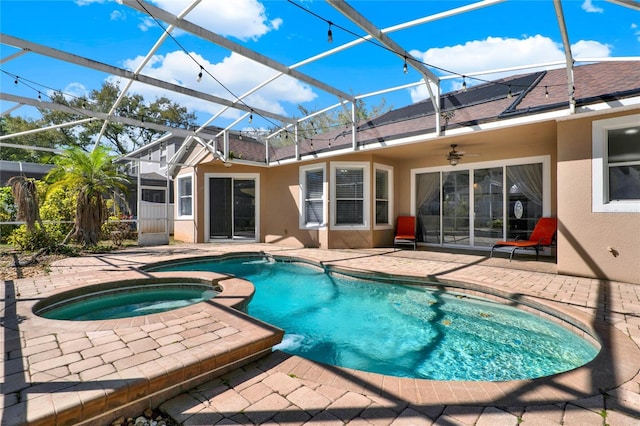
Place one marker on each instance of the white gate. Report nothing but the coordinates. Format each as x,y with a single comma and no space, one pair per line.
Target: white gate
155,220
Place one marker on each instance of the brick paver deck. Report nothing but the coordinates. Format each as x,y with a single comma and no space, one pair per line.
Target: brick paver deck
199,367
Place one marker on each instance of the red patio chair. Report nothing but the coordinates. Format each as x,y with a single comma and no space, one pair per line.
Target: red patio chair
405,231
543,235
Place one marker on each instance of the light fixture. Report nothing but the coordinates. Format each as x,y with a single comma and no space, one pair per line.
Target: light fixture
405,68
199,75
546,92
250,118
16,80
329,33
454,156
509,94
464,84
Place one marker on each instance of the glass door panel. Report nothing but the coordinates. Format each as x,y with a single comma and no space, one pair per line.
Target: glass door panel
244,208
455,207
428,207
524,199
488,220
220,208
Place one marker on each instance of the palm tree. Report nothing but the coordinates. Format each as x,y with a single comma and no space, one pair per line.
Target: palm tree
25,195
94,177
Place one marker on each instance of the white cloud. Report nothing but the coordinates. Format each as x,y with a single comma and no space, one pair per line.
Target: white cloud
88,2
588,6
75,90
498,53
235,72
590,48
243,19
116,15
146,23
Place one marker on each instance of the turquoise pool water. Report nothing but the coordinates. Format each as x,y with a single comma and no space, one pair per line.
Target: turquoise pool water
124,302
401,330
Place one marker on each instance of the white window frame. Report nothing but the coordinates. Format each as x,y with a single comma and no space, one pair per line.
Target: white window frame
163,156
303,191
366,201
389,225
600,166
180,195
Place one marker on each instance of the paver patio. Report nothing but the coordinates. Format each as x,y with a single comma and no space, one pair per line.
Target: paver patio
72,374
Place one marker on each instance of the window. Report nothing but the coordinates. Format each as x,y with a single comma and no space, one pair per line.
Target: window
616,164
384,195
134,168
185,196
350,198
312,196
163,156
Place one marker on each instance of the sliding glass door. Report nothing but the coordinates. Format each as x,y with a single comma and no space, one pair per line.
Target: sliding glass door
232,208
488,205
477,206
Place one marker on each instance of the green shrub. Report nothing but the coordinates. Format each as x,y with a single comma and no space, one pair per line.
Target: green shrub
7,213
29,241
59,206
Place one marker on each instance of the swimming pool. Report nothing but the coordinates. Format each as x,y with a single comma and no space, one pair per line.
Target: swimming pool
398,329
123,300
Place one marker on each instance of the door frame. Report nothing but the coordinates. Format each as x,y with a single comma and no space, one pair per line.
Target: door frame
207,201
545,160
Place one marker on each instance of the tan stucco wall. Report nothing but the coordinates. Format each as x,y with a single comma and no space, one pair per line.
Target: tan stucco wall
584,236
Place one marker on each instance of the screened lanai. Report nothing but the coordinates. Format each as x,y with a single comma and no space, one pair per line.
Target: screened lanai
295,87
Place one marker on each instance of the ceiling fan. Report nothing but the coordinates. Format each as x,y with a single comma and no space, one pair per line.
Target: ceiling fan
454,156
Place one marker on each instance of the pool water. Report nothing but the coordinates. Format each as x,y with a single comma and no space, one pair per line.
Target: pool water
129,302
401,330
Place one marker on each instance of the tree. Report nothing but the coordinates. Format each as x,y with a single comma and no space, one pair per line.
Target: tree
327,121
45,139
25,195
94,178
123,138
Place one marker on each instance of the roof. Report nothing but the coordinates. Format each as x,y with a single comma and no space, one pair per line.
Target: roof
531,94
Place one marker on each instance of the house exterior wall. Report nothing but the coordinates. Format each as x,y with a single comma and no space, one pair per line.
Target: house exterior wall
281,195
584,236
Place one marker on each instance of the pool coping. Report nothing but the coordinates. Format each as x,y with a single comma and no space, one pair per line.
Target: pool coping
222,338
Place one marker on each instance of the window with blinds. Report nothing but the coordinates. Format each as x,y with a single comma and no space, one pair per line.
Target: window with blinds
314,197
382,197
349,186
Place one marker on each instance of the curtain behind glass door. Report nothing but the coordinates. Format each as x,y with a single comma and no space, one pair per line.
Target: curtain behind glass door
524,198
455,207
488,220
428,207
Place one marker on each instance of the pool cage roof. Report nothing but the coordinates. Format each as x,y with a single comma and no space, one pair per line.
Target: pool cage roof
222,138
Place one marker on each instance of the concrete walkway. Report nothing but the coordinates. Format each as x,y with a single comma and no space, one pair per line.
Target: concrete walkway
283,389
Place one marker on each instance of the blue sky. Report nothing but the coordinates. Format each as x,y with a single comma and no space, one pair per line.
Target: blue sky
505,35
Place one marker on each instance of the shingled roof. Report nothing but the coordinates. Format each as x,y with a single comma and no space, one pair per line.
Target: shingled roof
506,98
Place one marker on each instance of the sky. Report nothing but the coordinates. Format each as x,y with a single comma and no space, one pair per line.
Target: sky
505,35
